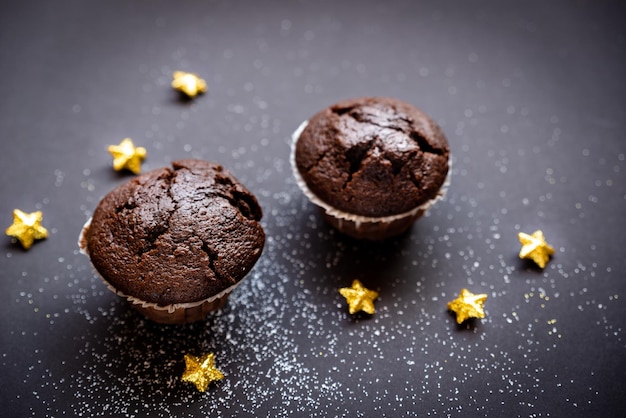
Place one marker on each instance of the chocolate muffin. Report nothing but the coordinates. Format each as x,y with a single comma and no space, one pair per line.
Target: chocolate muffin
373,164
176,241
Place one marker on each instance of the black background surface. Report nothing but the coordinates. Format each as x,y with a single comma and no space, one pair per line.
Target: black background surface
532,98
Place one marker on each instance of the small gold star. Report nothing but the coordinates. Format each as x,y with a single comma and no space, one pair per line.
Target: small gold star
127,156
188,83
467,305
359,298
535,247
27,227
201,371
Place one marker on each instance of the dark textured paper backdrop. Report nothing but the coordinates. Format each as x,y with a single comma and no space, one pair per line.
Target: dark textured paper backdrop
532,98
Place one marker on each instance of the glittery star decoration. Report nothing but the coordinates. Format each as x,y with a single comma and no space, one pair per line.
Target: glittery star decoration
467,305
127,156
188,83
535,247
359,298
201,371
26,227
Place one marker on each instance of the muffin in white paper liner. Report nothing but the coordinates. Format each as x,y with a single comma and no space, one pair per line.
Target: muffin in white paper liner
358,226
176,313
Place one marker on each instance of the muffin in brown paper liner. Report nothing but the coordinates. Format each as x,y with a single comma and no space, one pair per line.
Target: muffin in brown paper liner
175,242
385,139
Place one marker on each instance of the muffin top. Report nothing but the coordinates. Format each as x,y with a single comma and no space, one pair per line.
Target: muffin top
373,156
176,235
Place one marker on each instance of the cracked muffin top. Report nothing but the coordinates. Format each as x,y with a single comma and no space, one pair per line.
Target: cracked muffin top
176,235
373,156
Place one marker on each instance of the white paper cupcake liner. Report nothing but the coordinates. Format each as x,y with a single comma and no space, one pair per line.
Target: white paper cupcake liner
360,226
168,314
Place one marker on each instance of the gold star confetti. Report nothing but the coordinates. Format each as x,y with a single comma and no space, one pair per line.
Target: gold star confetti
188,83
127,156
467,305
535,247
27,227
359,298
201,371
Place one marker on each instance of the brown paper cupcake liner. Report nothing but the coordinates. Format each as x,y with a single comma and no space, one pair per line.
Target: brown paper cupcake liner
358,226
177,313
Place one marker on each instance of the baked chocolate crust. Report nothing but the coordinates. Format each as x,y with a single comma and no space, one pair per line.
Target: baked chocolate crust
373,156
176,235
